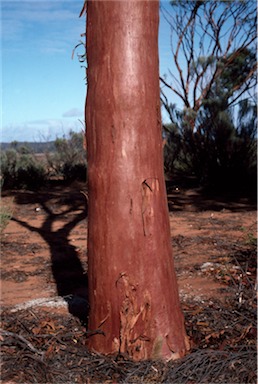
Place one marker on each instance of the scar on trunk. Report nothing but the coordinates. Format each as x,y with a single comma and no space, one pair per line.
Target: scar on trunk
131,206
134,318
150,187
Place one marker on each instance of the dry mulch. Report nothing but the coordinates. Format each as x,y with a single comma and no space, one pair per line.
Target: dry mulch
39,347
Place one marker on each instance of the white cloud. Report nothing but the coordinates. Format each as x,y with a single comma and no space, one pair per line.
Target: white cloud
74,112
39,130
39,11
48,26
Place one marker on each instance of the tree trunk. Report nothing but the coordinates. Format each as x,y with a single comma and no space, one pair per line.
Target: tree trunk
133,290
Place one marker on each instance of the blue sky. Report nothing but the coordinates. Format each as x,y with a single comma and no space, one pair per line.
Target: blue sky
43,88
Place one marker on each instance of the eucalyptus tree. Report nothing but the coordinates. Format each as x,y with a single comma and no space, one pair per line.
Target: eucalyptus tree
133,292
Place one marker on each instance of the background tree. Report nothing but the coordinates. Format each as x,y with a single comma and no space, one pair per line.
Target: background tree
214,53
208,39
132,285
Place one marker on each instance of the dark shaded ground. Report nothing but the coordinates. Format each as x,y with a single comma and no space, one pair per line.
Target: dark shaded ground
44,252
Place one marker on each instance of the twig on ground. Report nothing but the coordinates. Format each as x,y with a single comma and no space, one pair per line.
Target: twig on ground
22,340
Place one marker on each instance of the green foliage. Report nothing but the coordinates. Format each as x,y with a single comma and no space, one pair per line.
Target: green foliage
234,71
5,217
69,158
237,66
220,156
249,237
24,149
21,170
220,152
31,147
251,240
172,148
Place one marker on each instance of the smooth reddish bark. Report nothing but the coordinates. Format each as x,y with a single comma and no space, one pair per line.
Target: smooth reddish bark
133,290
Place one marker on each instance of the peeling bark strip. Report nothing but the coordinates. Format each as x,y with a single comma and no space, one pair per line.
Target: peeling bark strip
133,290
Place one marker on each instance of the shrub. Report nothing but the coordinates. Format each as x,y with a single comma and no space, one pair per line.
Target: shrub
8,162
5,217
73,172
220,152
30,173
69,158
21,170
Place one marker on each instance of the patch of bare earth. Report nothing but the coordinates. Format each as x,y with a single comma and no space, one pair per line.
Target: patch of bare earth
44,292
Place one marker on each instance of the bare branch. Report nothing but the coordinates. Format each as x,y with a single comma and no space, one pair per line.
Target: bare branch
203,33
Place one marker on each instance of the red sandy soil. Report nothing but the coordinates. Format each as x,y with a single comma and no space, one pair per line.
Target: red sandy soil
44,291
208,235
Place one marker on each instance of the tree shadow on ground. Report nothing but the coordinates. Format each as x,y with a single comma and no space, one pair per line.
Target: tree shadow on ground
182,197
68,206
70,277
